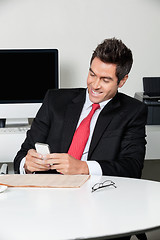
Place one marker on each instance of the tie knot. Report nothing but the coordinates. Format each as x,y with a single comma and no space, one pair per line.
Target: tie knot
95,106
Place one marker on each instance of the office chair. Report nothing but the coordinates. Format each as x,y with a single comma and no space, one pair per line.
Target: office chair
4,169
141,236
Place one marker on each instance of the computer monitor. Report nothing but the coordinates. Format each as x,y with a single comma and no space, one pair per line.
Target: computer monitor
25,77
151,86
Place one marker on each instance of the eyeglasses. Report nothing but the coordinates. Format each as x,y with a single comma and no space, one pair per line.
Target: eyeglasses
106,183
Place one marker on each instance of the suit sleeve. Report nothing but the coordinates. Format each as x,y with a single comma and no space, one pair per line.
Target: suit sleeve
37,133
130,158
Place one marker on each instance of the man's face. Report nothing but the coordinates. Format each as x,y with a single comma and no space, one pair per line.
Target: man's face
102,81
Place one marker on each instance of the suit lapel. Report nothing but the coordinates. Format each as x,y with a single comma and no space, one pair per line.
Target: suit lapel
72,115
103,122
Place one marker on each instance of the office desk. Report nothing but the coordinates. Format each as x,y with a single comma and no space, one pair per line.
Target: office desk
10,145
153,139
32,213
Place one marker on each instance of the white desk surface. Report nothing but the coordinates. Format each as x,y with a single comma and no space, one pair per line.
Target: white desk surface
32,213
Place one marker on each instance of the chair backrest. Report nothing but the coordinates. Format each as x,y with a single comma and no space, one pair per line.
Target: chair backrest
4,169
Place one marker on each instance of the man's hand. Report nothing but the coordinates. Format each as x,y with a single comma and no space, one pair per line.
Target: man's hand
35,162
66,164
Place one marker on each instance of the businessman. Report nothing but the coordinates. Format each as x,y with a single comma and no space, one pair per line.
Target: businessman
115,142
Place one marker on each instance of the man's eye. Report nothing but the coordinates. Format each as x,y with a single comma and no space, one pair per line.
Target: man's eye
105,80
92,74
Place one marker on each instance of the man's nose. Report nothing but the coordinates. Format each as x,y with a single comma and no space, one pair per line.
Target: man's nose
96,84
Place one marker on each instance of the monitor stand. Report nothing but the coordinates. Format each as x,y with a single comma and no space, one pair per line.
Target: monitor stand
13,122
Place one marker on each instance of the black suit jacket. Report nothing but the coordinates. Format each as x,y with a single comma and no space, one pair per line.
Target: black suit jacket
118,141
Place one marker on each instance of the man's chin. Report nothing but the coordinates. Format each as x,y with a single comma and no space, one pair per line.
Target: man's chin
95,99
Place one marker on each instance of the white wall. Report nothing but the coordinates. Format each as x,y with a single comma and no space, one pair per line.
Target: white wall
75,27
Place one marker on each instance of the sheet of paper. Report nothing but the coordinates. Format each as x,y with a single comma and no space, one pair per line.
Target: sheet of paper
43,180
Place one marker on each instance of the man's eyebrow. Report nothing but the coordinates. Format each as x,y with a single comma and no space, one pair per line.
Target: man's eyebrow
106,77
90,69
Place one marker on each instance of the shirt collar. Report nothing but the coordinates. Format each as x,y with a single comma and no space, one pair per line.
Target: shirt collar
88,102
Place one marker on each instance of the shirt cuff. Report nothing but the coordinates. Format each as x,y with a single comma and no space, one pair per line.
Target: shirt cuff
21,169
94,168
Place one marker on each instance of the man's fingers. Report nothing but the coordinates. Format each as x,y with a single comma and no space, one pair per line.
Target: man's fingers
57,156
34,162
33,153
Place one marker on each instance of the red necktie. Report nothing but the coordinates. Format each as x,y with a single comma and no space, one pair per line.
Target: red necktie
81,135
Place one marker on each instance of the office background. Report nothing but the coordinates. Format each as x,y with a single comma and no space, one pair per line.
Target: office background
75,27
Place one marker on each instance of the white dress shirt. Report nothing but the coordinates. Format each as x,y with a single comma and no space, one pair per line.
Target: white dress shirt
94,167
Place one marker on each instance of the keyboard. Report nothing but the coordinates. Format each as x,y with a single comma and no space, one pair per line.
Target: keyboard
14,130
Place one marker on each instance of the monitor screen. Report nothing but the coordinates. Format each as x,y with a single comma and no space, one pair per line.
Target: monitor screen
27,74
25,77
151,86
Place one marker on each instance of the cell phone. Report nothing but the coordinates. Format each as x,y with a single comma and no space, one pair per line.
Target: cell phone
42,148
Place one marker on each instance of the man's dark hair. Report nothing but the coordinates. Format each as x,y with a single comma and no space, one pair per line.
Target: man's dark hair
115,51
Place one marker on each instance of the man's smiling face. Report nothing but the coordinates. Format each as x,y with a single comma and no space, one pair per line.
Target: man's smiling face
102,82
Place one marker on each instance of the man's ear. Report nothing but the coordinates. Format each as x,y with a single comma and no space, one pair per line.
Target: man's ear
122,82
